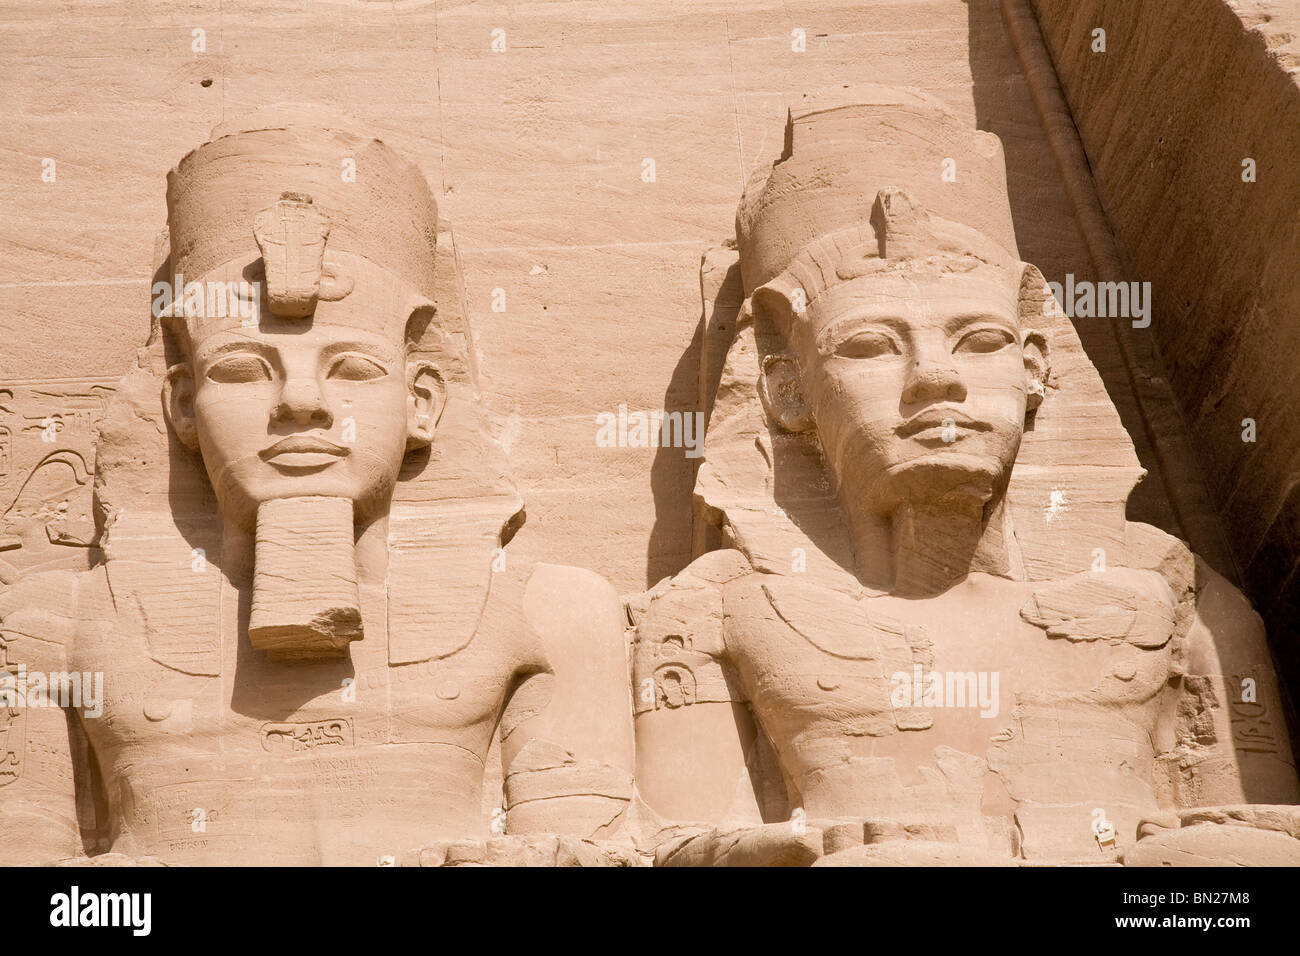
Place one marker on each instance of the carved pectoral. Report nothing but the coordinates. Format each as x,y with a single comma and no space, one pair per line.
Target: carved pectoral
839,624
1121,604
863,646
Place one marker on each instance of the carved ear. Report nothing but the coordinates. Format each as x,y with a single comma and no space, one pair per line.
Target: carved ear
1036,301
178,404
1037,368
426,398
779,303
778,385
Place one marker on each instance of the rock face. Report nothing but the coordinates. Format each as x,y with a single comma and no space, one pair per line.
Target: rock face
533,126
1191,122
267,590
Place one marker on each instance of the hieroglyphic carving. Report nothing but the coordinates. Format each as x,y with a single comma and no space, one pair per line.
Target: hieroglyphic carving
13,723
297,736
47,433
1253,725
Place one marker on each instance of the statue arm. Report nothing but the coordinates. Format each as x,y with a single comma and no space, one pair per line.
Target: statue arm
566,734
1223,760
1231,729
694,731
39,823
697,740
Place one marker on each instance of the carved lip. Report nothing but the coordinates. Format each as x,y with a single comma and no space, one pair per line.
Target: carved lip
303,445
939,417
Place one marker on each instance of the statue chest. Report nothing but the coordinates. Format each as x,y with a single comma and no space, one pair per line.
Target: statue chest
834,678
295,757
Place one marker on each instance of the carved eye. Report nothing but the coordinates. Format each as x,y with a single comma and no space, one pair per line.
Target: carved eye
865,345
985,340
240,368
356,368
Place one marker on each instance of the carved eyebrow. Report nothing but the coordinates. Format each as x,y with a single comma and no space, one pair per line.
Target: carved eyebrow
962,320
235,345
371,349
269,352
841,330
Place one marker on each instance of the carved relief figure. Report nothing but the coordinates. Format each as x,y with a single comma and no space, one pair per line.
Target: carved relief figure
46,472
49,515
306,619
931,636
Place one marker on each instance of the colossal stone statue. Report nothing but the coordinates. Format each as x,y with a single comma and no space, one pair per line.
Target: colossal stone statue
931,635
305,621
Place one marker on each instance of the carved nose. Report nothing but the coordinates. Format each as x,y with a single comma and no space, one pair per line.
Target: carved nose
301,401
933,381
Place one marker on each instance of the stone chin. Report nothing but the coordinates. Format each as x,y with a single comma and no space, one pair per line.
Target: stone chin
975,467
942,481
243,486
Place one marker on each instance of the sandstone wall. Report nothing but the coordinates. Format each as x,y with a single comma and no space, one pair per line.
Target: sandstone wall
536,155
1184,93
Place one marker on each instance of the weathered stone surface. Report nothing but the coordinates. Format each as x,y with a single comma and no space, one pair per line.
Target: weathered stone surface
948,629
908,602
1191,123
775,844
302,627
1222,836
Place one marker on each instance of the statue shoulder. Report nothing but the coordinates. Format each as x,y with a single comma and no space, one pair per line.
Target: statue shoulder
1224,633
686,609
564,600
578,619
546,582
1228,634
1227,741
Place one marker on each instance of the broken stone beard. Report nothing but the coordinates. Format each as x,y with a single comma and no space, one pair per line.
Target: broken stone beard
306,604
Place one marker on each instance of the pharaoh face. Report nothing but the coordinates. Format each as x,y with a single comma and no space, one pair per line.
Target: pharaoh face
326,405
916,384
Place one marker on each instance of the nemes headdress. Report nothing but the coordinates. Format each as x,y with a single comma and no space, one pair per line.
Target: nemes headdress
890,175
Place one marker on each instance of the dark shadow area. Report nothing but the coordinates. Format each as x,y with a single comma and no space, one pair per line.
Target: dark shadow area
672,476
1273,583
692,388
1047,232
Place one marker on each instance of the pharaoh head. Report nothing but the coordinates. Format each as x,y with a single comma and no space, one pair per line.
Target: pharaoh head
881,246
303,260
262,427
